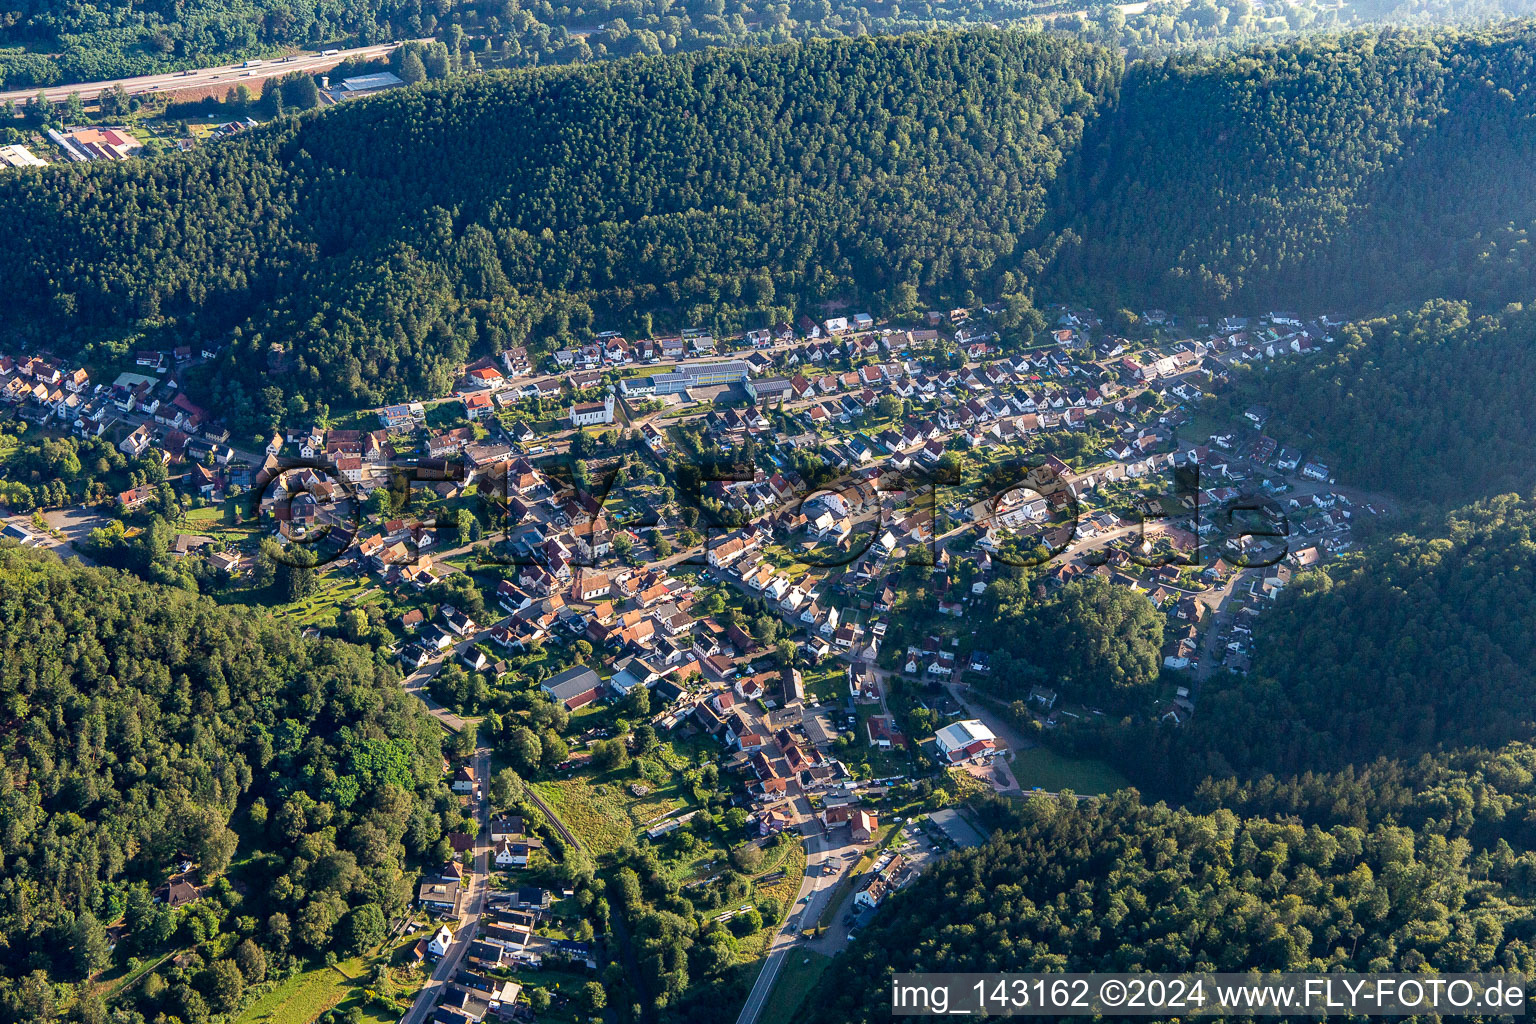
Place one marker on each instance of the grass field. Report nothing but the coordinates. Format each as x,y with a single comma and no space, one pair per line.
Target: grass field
595,812
827,681
303,997
796,978
791,858
1202,424
1043,768
320,608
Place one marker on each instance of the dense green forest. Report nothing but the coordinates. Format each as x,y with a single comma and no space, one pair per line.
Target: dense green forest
1099,641
1485,796
1343,172
1114,885
1430,404
360,254
140,725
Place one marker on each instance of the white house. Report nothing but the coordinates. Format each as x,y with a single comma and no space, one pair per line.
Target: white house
512,854
967,741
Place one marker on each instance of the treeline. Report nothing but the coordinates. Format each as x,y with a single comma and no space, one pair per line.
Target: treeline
1344,172
1486,797
49,44
1416,644
140,726
1429,404
1115,885
360,255
1216,27
1099,642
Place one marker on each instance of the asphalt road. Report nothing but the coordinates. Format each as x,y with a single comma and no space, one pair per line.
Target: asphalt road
416,684
448,966
228,74
815,889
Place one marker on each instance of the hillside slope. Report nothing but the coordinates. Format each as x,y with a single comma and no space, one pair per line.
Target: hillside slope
140,724
1430,404
1118,886
1418,643
359,255
1343,171
383,240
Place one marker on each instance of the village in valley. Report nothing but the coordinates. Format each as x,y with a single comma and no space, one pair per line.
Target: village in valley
659,590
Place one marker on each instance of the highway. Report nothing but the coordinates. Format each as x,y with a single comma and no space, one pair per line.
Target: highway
228,75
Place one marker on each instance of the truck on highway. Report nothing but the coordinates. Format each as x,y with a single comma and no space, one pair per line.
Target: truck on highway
329,53
253,63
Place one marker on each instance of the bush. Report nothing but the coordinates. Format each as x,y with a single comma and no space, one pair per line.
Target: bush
747,858
746,922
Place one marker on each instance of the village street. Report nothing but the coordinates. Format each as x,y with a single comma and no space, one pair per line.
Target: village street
474,903
815,889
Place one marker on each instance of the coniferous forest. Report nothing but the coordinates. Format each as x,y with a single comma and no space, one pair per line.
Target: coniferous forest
53,42
1332,173
1120,886
1430,403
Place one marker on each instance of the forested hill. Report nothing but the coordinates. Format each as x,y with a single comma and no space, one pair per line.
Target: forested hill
1432,404
1415,644
1487,797
1348,172
358,255
381,241
141,724
1117,886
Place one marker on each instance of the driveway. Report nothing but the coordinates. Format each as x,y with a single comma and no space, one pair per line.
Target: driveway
416,684
75,523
